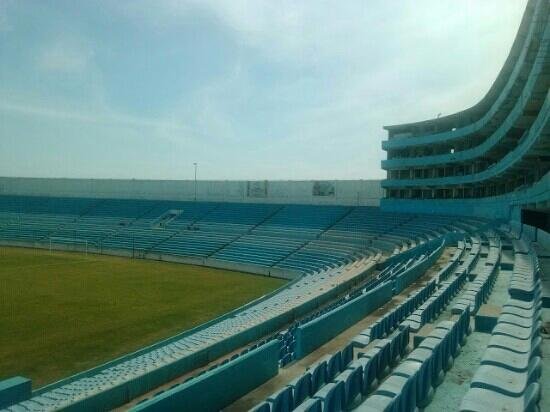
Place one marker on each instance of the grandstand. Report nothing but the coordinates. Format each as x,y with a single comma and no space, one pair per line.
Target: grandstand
436,300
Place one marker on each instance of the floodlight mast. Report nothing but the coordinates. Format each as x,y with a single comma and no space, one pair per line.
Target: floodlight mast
195,164
195,197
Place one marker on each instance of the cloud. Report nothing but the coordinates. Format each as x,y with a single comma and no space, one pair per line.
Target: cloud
303,89
173,131
65,55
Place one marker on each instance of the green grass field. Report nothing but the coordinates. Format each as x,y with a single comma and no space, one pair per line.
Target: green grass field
61,313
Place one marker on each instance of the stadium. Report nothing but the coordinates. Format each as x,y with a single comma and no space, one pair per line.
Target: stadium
428,290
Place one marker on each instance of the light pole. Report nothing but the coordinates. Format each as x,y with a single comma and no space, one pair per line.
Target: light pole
195,198
195,164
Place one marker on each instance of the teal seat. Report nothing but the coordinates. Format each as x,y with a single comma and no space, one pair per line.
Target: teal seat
310,405
484,400
282,401
352,379
301,387
331,396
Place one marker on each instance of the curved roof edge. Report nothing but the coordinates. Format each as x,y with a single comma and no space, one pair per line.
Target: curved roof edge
492,93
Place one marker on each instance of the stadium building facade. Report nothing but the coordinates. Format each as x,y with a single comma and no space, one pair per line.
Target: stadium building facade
491,159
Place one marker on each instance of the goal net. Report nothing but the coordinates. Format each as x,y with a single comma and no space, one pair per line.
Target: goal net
68,241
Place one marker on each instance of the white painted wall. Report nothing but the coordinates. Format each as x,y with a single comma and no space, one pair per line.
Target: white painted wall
346,192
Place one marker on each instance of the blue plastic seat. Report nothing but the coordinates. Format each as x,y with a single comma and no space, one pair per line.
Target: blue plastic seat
484,400
526,313
420,375
513,344
352,379
302,388
506,381
370,379
426,356
437,347
334,365
263,407
331,396
515,331
383,357
282,401
379,403
503,358
361,341
347,356
515,320
318,376
310,405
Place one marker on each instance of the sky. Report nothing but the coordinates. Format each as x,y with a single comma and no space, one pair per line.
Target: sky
248,89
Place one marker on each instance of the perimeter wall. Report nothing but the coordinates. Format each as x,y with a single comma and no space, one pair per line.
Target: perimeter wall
329,192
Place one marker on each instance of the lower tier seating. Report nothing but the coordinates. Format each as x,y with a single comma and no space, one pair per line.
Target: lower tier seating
382,373
510,369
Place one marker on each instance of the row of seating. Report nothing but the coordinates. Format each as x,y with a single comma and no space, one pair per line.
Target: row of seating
390,272
336,382
258,250
22,205
449,286
480,288
394,317
448,269
135,239
412,382
384,325
507,378
447,289
322,252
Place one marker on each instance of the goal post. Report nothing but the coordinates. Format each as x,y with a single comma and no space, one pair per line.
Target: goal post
68,241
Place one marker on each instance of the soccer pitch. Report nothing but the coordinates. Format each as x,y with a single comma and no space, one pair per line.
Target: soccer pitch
61,312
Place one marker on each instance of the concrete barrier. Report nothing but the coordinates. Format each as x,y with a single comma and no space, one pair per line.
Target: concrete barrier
14,390
410,275
315,333
220,387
